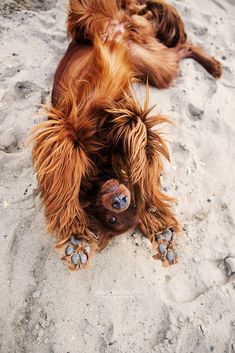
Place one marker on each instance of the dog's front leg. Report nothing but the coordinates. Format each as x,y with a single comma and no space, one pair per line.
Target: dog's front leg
61,163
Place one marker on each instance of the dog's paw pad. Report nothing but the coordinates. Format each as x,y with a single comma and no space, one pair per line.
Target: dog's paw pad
168,235
170,255
74,241
76,253
80,258
83,258
164,248
69,250
75,259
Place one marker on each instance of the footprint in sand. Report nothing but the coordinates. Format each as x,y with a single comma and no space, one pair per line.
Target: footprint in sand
9,143
11,71
181,154
195,113
198,30
24,88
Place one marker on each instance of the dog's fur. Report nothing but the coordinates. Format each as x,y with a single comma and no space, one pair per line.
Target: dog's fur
97,134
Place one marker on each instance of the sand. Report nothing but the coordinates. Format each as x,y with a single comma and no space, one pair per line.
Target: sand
126,301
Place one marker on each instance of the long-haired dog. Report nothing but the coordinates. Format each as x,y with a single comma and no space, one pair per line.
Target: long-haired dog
98,157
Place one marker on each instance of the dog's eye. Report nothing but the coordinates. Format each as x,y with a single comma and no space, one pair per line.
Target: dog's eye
134,206
112,220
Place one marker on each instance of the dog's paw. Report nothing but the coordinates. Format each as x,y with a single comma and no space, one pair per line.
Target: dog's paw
215,68
164,247
76,252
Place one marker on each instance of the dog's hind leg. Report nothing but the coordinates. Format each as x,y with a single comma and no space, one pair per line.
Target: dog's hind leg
170,31
210,64
155,62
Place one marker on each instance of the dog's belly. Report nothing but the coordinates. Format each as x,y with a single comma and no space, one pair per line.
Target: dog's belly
73,60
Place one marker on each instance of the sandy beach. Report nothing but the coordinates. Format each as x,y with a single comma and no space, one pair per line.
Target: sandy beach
126,301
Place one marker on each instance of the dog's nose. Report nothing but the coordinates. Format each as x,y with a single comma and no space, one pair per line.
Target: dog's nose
120,202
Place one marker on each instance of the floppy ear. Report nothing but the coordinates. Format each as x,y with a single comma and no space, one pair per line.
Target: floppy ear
140,149
136,144
61,161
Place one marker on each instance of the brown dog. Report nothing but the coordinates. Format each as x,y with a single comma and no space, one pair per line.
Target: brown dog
98,157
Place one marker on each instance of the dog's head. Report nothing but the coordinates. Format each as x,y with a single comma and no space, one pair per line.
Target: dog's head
116,209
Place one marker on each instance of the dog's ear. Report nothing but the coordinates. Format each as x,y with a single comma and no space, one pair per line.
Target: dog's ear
61,161
138,144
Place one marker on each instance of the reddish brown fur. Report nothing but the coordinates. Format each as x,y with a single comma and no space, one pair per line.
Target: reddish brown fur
96,128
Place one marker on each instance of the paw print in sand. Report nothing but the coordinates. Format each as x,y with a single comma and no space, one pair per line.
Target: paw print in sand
164,247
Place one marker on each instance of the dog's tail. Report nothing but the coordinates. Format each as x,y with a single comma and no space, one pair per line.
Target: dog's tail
91,16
